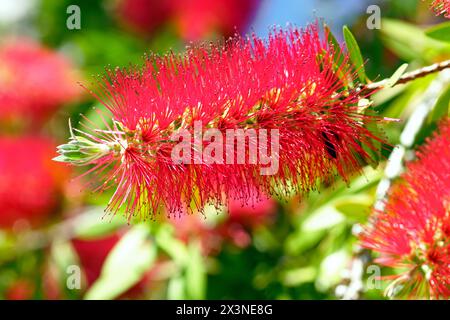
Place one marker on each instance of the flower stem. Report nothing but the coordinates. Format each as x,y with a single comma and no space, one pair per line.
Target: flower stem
410,76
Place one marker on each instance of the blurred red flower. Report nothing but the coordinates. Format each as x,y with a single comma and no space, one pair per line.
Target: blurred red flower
30,182
34,81
20,290
198,19
143,16
244,218
193,19
238,221
413,232
254,213
92,254
192,226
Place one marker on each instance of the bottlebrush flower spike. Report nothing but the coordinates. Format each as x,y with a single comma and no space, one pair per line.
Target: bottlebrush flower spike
413,232
287,88
441,7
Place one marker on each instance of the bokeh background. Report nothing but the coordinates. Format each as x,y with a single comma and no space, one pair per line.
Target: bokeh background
56,243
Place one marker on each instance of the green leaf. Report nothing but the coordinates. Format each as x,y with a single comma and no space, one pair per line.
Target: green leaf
175,288
172,246
409,42
401,106
440,32
63,259
195,273
396,76
368,179
331,268
63,255
442,107
355,207
374,151
90,224
325,217
355,54
125,265
301,240
338,56
299,276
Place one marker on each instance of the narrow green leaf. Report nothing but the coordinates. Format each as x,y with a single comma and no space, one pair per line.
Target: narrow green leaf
396,76
440,32
355,54
176,288
409,42
91,224
442,107
324,218
125,265
298,276
373,152
355,207
63,255
195,273
338,56
302,240
65,259
331,268
172,246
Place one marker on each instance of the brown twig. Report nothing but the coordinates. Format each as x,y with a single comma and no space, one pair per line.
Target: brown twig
410,76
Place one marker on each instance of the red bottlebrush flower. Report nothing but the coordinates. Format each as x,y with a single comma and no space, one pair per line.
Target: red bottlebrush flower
143,16
34,81
441,7
30,182
284,94
196,19
413,231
